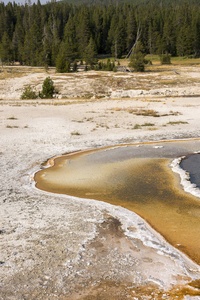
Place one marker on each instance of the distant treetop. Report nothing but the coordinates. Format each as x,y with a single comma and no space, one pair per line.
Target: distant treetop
132,2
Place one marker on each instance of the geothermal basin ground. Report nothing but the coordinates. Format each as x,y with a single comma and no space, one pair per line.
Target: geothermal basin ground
64,247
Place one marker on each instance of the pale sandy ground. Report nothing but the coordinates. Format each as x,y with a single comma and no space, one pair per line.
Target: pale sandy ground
59,247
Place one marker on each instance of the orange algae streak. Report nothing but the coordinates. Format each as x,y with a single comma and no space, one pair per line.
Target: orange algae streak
144,185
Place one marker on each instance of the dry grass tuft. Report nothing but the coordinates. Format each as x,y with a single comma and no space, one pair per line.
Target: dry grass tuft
137,126
75,133
9,126
176,122
148,124
117,109
12,118
146,112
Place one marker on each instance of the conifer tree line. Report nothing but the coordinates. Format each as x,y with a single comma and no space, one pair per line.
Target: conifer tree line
39,35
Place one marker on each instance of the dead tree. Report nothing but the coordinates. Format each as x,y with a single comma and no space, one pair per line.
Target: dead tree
133,47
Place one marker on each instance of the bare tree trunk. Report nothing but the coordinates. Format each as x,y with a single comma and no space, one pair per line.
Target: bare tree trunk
133,47
135,44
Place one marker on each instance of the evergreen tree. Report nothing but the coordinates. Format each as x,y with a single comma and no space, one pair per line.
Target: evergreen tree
54,26
70,41
196,28
98,29
83,30
120,46
2,23
154,36
112,36
131,30
62,65
47,45
137,61
5,49
47,89
105,30
90,53
29,93
169,35
185,34
18,41
185,41
33,46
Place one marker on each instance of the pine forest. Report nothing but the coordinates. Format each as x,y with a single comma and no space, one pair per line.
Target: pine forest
39,35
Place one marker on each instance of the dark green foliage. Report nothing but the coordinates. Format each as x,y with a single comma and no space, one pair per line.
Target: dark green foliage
117,36
90,54
83,30
29,93
68,67
36,34
131,29
5,49
62,65
47,89
75,66
165,59
137,61
33,46
147,62
108,66
70,42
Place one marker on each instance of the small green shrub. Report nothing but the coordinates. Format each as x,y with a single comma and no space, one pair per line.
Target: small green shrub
148,124
165,59
47,89
108,66
137,126
75,133
29,93
147,62
137,60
